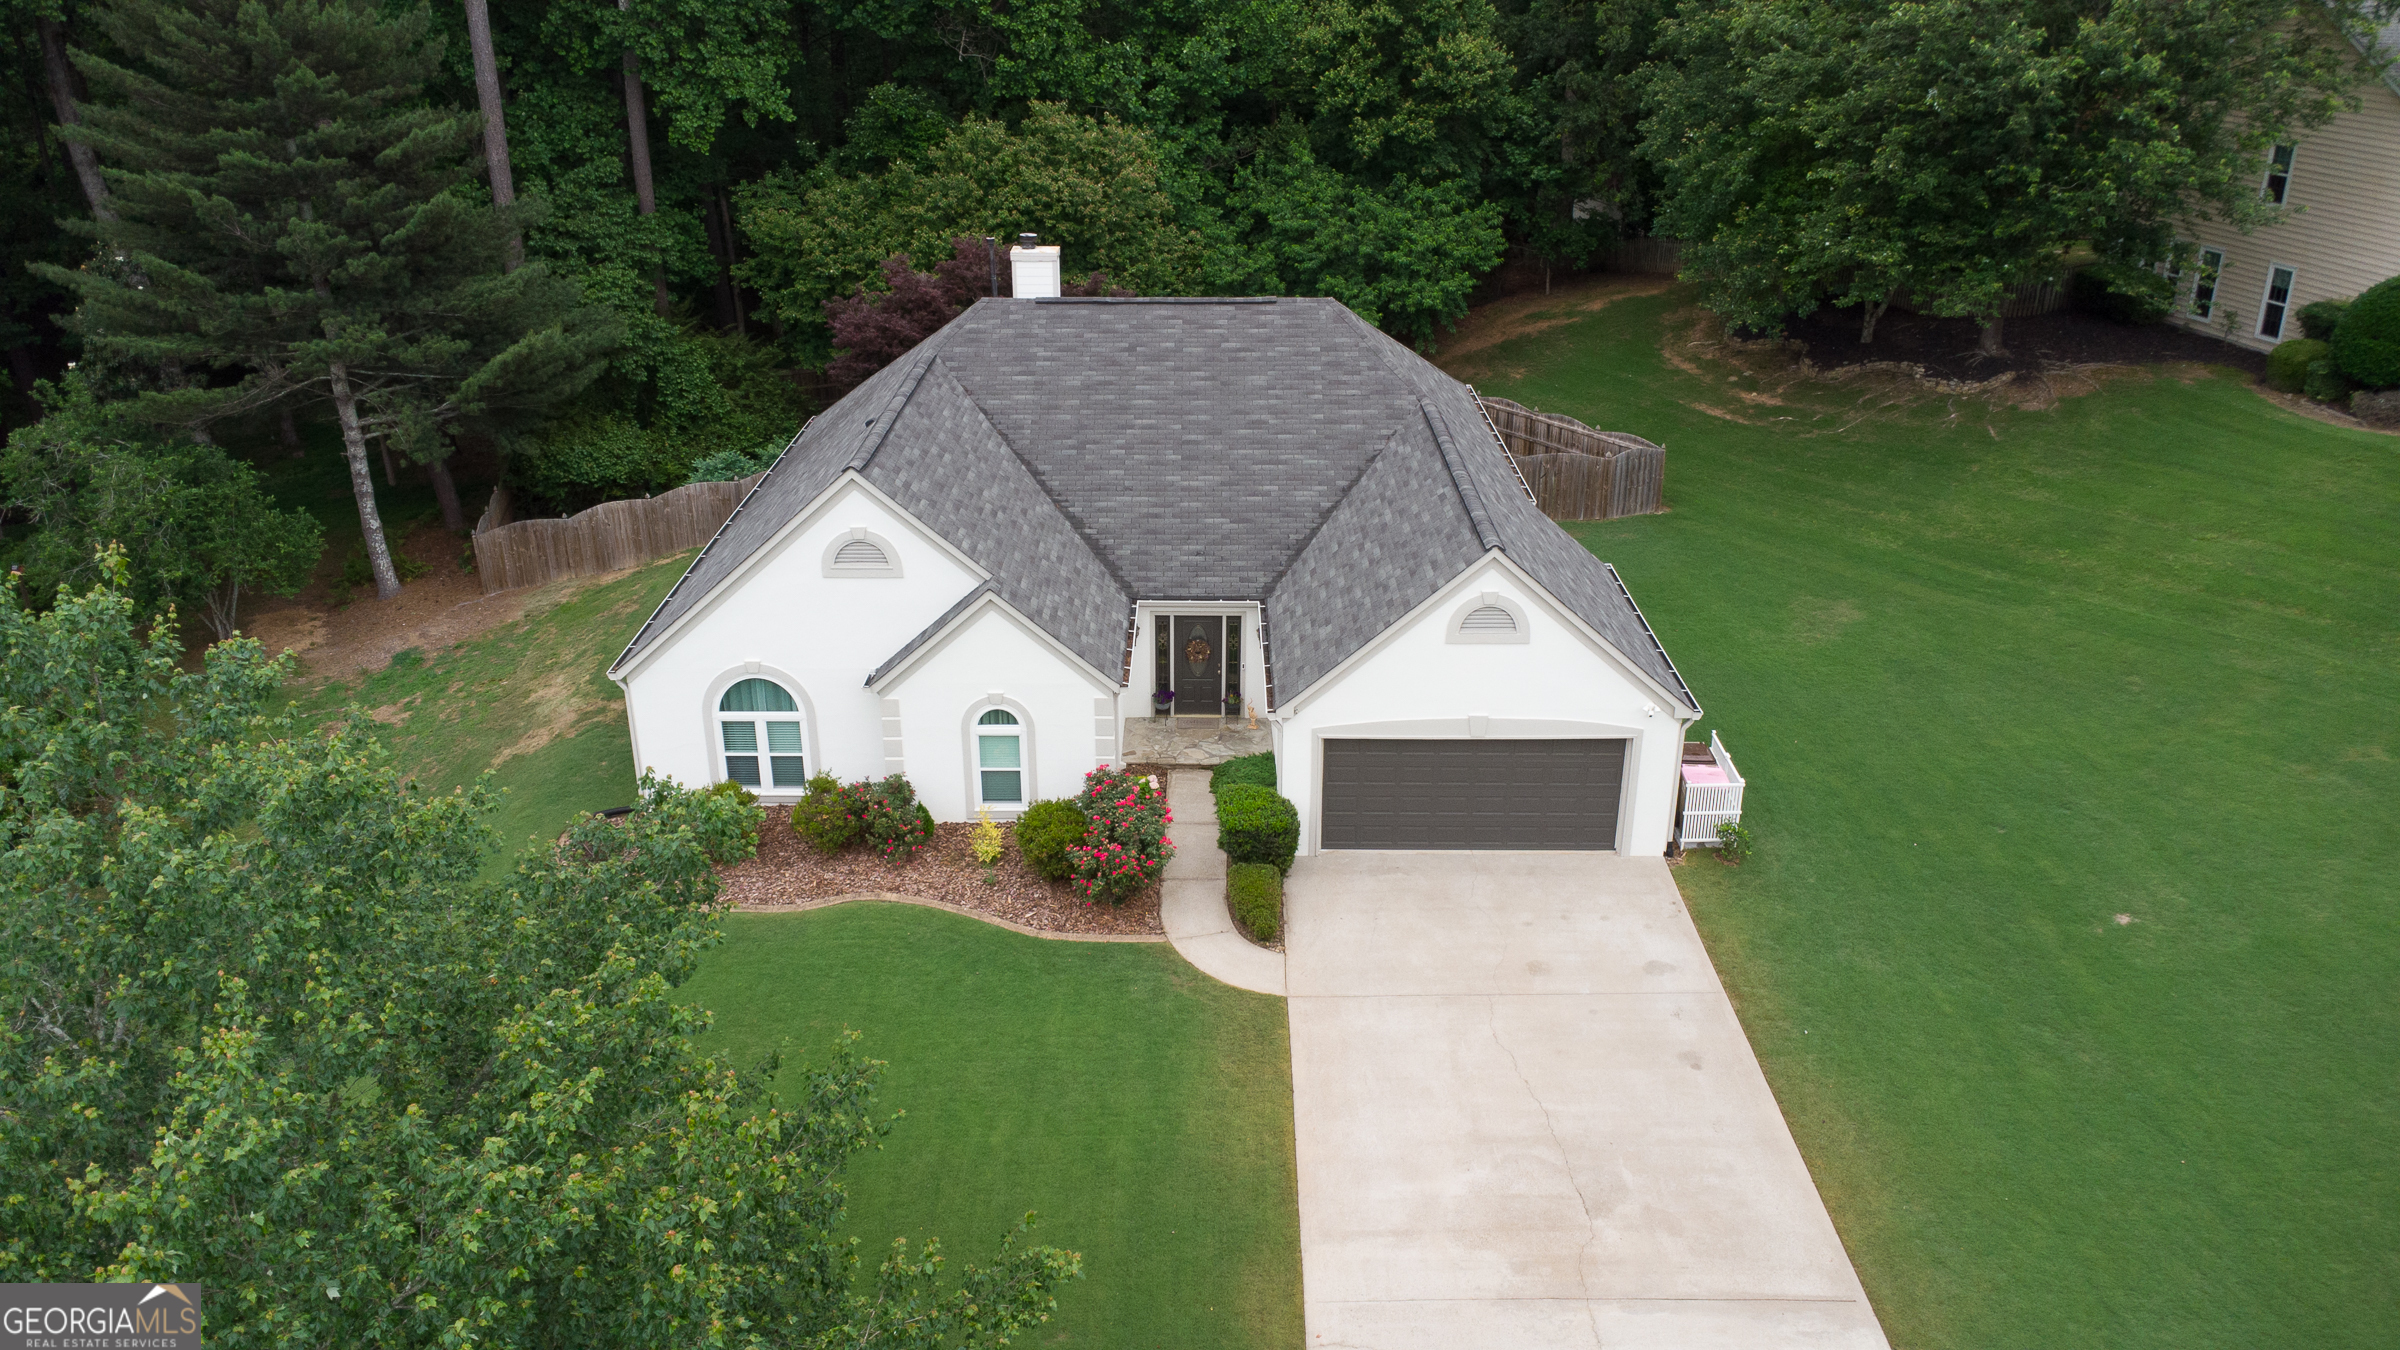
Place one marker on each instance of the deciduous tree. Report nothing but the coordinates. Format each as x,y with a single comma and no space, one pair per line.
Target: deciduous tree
1836,150
262,1026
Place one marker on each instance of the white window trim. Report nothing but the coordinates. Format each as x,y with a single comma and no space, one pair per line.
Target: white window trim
855,533
2216,282
2291,301
713,737
1026,784
1459,633
2268,174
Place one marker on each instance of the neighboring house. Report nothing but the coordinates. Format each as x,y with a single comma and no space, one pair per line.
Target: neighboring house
2340,234
981,563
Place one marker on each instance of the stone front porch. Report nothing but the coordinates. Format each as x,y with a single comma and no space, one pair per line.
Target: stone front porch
1193,740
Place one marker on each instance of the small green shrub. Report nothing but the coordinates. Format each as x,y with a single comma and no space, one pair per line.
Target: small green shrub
2325,382
2318,318
1257,825
1258,769
1125,846
2287,365
2366,345
830,817
2123,292
750,815
1254,892
1733,842
1044,833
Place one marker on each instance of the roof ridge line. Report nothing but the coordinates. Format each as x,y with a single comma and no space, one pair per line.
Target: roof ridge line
1326,516
1484,529
895,405
1082,535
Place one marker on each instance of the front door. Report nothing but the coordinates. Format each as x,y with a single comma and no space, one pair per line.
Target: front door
1196,660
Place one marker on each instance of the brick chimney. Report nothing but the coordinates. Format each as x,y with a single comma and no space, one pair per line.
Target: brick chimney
1033,268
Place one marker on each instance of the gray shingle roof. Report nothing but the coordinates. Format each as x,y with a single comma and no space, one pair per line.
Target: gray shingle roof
1089,453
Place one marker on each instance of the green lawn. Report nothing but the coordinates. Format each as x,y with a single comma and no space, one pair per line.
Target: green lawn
532,697
1143,1109
1996,680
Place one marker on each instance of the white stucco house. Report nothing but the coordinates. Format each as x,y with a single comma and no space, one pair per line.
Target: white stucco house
978,566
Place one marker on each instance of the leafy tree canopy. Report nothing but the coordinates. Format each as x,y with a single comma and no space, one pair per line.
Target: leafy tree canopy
265,1029
1843,149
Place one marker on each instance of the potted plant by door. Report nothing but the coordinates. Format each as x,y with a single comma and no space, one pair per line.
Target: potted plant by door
1163,702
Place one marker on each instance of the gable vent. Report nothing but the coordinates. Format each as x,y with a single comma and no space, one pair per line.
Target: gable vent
1488,619
861,553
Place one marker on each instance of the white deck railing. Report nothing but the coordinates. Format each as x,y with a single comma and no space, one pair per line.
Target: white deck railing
1708,805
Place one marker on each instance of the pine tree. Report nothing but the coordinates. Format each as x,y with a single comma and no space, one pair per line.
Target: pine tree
286,230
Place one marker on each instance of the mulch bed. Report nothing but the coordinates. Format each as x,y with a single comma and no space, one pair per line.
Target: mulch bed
1945,348
788,874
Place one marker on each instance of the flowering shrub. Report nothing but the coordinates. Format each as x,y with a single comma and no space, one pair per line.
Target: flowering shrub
891,819
1124,847
831,817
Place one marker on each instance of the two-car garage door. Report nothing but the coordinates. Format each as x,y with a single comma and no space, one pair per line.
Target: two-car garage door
1475,794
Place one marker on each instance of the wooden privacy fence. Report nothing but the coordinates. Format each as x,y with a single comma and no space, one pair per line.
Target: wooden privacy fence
1574,472
607,538
1644,255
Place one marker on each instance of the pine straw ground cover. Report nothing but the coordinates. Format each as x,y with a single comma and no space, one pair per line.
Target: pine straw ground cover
788,874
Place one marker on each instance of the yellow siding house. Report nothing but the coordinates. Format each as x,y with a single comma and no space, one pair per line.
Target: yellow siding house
2340,190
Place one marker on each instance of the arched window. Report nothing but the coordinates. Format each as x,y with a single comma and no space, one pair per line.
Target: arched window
750,720
1000,758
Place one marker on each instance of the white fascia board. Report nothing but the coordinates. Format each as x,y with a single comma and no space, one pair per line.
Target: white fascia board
801,520
1450,591
951,630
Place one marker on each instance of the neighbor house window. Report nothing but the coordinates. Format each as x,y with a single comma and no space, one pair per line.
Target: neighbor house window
1000,758
2279,174
2279,299
2204,282
752,722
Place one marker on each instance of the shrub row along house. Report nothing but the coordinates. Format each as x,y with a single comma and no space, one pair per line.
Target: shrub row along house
977,566
2340,189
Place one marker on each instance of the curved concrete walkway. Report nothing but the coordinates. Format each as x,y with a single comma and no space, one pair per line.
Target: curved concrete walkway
1192,905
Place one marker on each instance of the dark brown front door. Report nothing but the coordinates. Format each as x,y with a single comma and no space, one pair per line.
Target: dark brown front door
1196,660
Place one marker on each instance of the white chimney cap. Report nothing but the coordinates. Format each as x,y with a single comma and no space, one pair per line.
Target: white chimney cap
1033,271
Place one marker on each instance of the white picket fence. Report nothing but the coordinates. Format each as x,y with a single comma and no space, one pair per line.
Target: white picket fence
1708,805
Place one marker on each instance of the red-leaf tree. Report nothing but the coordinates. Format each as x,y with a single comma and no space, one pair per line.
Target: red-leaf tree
872,329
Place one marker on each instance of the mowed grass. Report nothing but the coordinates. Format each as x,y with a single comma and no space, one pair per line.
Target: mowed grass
531,701
2070,947
1141,1108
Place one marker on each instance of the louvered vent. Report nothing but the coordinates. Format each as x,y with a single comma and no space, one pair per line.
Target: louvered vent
1488,619
860,553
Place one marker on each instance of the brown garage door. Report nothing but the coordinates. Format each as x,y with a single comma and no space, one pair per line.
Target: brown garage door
1472,794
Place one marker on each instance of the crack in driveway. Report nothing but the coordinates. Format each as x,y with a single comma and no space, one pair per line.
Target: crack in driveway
1583,1277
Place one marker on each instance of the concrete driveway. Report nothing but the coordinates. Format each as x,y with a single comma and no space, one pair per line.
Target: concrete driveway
1528,1118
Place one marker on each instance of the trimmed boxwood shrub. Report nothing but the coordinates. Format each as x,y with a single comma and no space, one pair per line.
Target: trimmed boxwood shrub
1043,834
1257,825
2287,365
1254,892
2326,383
2366,344
2318,318
2123,292
829,817
1258,769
